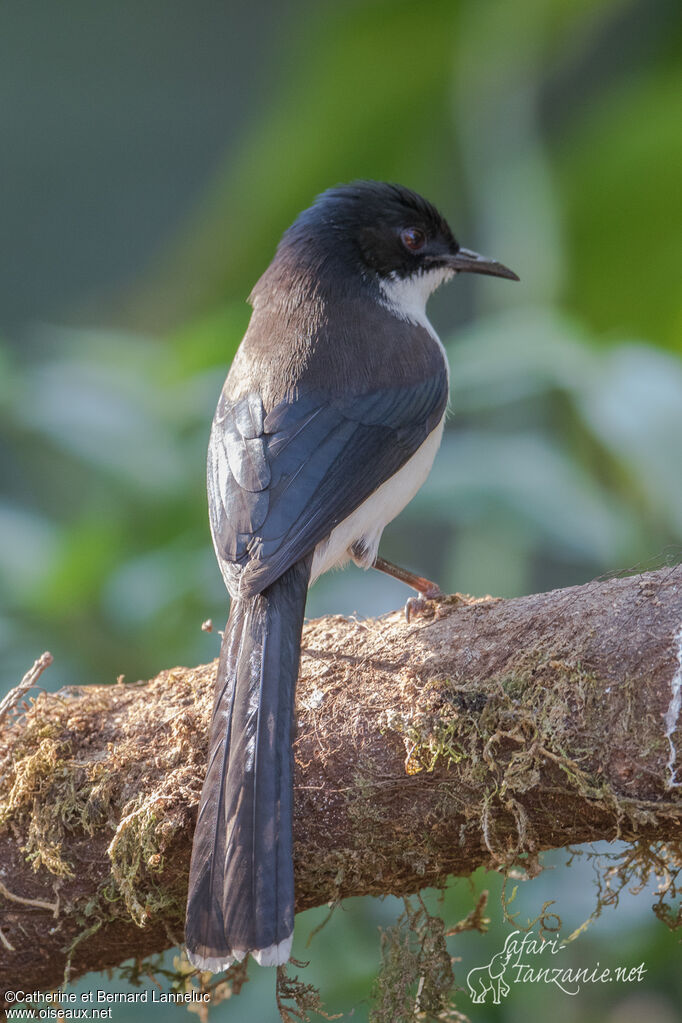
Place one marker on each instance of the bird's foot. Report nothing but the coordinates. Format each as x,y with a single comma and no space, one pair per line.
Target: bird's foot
416,606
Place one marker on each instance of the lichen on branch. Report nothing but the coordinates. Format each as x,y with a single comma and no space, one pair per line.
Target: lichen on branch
481,733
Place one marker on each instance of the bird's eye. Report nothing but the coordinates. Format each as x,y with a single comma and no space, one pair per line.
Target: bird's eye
413,238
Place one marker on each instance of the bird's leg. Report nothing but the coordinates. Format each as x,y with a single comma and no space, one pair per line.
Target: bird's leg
424,587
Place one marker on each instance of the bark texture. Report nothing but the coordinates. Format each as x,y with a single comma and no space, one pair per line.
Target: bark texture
481,733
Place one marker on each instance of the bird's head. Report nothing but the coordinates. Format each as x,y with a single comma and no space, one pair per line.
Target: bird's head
397,233
384,235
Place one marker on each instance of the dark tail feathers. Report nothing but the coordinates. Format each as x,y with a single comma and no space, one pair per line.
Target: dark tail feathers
241,886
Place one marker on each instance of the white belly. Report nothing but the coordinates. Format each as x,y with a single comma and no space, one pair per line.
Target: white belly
367,522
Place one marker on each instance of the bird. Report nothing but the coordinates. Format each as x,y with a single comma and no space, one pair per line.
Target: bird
326,427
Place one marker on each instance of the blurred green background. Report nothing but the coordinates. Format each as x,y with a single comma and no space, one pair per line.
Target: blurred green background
152,155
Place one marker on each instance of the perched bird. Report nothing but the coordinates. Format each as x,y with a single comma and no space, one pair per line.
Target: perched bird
327,425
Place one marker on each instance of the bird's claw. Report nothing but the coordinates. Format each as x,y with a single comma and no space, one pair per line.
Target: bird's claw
416,606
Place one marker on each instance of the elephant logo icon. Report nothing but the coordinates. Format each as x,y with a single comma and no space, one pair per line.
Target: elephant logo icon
484,980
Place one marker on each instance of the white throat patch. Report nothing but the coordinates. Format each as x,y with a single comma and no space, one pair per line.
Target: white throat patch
406,297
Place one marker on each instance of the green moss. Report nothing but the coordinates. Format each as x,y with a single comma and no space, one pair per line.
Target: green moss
50,796
416,976
513,686
429,738
136,852
500,741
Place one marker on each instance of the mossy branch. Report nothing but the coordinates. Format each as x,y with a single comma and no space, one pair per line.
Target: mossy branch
481,733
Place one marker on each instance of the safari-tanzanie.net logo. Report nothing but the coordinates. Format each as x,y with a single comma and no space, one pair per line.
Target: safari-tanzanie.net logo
527,959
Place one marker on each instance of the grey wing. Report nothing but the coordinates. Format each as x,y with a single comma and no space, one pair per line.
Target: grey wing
280,482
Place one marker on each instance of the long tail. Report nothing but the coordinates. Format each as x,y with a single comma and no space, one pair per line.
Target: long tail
241,885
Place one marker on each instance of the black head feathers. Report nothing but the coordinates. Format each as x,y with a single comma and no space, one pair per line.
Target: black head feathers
375,227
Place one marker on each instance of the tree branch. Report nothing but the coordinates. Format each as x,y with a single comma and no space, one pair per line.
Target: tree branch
483,734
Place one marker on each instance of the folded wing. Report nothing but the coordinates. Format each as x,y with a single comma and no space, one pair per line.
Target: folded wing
279,482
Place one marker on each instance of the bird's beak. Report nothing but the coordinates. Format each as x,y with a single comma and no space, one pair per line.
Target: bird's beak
466,261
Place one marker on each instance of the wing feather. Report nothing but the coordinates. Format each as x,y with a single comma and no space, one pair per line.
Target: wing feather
280,482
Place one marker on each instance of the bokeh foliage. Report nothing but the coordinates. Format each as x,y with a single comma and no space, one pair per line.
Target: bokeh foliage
548,132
